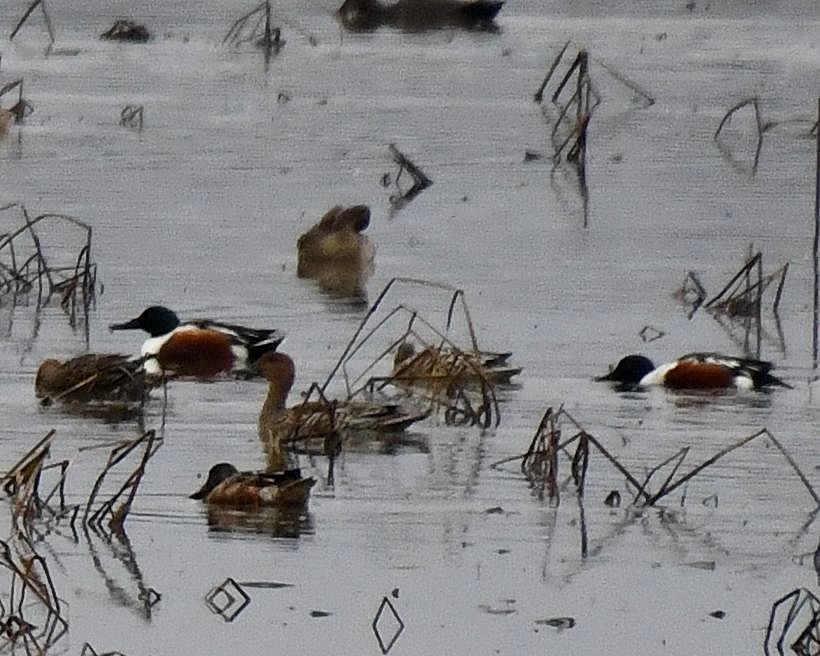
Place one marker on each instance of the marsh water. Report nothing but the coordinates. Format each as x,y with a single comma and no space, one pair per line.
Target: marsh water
201,209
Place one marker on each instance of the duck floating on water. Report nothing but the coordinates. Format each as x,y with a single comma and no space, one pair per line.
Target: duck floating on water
335,251
200,348
93,377
695,371
444,366
315,420
227,486
419,15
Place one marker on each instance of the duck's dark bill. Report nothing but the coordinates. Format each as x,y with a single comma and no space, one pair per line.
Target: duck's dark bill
201,493
134,324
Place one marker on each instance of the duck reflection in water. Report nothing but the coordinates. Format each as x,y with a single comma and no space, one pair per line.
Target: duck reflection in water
281,522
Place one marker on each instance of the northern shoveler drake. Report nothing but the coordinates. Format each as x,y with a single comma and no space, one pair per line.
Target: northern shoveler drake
93,377
201,348
434,366
316,420
336,253
695,371
419,15
227,486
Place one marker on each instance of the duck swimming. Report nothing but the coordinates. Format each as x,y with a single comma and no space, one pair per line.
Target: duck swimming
201,348
227,486
695,371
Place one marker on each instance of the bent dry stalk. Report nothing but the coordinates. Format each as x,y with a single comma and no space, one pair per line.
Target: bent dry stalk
456,381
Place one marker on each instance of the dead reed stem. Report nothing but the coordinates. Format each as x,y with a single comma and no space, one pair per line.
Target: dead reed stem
46,19
461,408
539,94
803,608
648,100
537,461
150,444
256,27
670,487
816,244
759,123
420,179
67,281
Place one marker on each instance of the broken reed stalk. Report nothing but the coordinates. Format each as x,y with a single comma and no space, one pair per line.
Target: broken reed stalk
420,180
41,584
604,452
133,116
809,636
666,489
460,407
744,271
540,462
759,123
21,483
648,100
668,486
356,342
691,283
117,517
46,18
677,458
580,461
779,292
539,95
580,100
59,486
816,245
82,276
235,35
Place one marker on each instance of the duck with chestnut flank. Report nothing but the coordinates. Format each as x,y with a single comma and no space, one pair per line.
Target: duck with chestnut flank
227,486
201,348
695,371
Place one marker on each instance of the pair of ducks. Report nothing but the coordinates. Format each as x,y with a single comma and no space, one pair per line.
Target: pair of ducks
278,424
201,348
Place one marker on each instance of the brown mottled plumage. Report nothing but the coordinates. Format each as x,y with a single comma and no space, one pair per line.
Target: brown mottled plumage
335,253
227,486
92,377
279,424
443,367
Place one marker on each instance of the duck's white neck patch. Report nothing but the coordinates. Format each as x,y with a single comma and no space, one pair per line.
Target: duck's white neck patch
657,375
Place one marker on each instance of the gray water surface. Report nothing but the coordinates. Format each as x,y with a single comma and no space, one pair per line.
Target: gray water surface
201,211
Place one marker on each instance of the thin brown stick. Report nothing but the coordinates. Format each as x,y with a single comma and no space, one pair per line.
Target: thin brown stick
632,86
744,270
709,461
539,94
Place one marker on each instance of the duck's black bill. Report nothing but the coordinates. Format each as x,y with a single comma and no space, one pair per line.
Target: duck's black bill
201,493
128,325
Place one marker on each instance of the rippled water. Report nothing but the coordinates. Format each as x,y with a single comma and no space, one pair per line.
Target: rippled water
202,209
